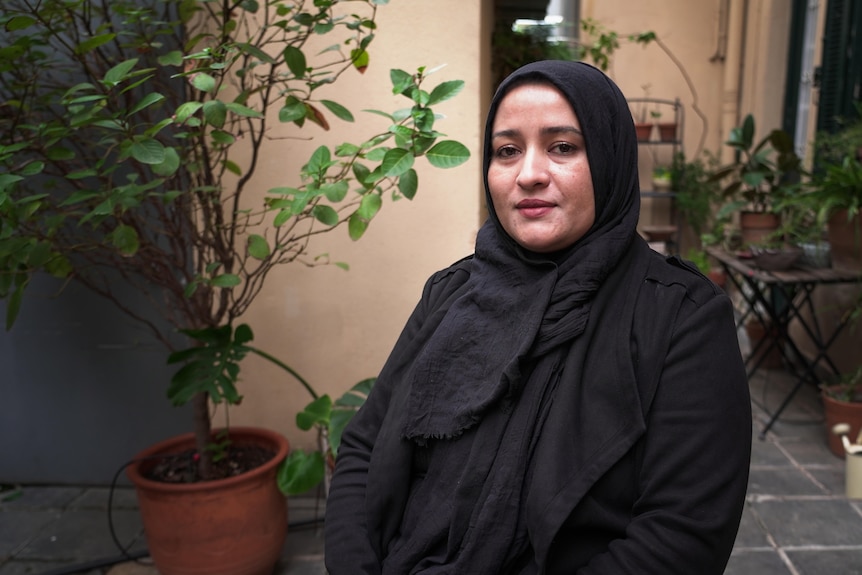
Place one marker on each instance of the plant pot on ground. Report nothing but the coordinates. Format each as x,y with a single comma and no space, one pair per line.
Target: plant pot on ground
130,137
185,522
842,403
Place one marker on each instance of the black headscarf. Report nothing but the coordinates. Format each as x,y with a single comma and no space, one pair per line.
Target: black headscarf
474,390
517,304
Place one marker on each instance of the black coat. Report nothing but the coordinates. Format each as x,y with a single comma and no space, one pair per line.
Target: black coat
642,465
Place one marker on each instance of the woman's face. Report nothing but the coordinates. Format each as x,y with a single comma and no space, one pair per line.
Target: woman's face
539,176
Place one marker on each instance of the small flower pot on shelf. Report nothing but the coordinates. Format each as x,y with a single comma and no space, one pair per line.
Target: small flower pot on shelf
666,131
643,131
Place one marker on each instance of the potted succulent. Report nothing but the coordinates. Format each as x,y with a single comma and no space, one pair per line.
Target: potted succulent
762,174
130,135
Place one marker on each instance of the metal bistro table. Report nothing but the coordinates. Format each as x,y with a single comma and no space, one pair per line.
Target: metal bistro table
776,299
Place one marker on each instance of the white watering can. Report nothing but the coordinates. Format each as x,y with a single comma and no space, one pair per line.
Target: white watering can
852,460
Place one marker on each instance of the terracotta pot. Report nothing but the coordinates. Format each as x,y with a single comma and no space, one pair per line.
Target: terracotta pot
768,355
845,239
667,131
836,411
756,227
234,526
643,131
718,276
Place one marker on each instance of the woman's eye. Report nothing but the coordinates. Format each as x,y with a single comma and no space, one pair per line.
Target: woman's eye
564,148
506,151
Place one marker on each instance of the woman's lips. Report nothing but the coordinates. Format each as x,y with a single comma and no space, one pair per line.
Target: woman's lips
534,208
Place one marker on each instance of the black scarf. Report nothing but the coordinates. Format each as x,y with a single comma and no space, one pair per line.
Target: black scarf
517,304
476,394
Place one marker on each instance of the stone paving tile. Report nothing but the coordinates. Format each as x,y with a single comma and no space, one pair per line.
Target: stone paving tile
40,567
82,535
97,498
17,526
781,481
823,561
38,497
751,533
806,522
756,562
766,452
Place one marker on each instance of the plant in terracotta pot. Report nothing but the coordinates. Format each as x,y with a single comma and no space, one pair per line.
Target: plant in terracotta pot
130,136
838,186
762,174
842,403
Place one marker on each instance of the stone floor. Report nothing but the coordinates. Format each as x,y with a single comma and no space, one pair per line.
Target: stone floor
797,520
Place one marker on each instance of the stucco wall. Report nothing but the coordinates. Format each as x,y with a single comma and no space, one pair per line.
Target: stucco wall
337,327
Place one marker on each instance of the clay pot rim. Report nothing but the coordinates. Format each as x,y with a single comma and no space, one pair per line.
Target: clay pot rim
173,444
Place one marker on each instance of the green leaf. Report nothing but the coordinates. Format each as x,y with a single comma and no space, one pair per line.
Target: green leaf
315,413
258,247
335,192
203,82
221,137
448,154
93,43
325,214
241,110
445,91
369,206
19,23
169,165
292,111
148,151
396,162
225,281
119,72
356,226
172,58
401,81
125,239
360,59
146,101
339,110
187,110
408,183
295,59
215,113
300,472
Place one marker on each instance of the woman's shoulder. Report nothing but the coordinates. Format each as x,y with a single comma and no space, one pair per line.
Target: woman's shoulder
672,270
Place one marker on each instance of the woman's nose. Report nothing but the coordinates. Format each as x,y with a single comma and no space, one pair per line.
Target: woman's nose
534,170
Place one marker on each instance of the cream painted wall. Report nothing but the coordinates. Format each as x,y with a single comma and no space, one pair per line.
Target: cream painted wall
337,327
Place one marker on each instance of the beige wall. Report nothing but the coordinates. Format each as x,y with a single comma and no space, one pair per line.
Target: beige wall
337,327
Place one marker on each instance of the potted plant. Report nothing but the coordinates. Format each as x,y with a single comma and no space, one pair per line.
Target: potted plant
838,187
130,135
662,179
762,174
842,403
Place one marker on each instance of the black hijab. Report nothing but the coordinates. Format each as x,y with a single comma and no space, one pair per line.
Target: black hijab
518,305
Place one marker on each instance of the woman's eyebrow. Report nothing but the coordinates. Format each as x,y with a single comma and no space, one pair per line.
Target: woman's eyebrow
509,133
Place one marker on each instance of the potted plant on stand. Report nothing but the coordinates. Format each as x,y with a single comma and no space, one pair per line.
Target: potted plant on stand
130,134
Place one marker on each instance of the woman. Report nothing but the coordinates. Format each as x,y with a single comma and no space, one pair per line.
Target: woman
563,401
